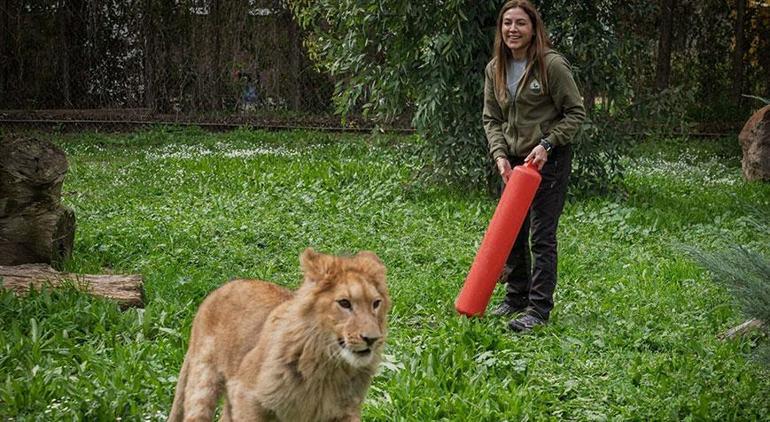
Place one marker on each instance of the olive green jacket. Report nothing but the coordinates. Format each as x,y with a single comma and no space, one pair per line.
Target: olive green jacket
515,127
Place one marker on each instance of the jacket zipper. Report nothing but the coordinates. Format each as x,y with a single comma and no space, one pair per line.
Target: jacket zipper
519,88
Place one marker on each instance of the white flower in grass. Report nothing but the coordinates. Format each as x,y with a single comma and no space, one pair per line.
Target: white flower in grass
157,416
220,149
710,173
247,153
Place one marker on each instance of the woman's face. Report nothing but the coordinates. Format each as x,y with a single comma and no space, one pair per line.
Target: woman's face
516,30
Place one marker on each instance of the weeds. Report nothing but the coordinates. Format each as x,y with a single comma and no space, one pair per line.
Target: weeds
633,334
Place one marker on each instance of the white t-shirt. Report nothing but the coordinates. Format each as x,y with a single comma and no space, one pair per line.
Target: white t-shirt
516,70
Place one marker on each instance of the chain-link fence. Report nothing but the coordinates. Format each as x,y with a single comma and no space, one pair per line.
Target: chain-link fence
210,61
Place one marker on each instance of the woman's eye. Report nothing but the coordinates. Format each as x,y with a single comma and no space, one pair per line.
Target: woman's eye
376,304
345,303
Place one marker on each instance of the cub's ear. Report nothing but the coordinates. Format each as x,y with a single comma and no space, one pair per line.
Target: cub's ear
316,266
372,263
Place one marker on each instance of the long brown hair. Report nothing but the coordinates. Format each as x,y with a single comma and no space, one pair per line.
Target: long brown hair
535,52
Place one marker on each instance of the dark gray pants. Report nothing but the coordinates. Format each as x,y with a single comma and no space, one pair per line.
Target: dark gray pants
532,262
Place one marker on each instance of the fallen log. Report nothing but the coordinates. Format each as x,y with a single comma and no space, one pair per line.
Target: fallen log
742,329
126,290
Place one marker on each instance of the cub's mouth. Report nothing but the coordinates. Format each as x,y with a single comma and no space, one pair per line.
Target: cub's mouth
361,353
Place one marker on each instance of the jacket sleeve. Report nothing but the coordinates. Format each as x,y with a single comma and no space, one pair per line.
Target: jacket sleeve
566,97
493,119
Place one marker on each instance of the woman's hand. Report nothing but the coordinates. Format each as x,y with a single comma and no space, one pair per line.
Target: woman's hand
504,168
538,156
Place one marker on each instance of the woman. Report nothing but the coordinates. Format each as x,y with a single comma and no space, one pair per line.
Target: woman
532,110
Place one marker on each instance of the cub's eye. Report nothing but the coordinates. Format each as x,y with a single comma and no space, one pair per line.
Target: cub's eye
345,303
376,304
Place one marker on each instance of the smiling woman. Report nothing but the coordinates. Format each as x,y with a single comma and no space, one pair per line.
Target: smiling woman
532,110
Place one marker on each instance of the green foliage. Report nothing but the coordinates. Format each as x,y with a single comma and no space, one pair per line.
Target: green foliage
587,32
608,136
660,114
431,66
746,274
598,166
633,334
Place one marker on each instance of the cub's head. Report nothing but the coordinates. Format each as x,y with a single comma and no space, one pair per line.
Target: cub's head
349,299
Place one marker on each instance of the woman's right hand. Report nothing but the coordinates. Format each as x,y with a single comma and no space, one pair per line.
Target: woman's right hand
504,168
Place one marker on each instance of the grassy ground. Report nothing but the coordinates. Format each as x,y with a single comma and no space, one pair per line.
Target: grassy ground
633,335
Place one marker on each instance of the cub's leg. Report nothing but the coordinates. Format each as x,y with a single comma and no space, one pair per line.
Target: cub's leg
177,409
204,385
242,404
354,416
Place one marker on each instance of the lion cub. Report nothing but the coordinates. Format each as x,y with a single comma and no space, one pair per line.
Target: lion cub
279,355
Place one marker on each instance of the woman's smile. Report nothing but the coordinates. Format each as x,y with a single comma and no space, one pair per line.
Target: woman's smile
517,28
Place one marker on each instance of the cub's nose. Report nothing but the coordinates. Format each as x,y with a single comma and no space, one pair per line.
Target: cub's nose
369,340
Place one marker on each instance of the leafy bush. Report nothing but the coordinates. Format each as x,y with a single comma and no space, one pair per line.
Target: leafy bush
430,66
598,149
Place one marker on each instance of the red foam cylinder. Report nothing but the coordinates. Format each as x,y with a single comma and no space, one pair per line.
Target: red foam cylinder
506,222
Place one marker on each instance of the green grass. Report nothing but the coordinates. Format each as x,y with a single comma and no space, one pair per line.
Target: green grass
633,334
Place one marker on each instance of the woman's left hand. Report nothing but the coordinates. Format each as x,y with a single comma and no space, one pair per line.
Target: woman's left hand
538,156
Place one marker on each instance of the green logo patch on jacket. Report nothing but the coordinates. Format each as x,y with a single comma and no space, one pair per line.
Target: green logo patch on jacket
535,87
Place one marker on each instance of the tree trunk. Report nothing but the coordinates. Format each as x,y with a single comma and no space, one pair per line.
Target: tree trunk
589,98
74,53
763,37
215,93
9,58
665,35
158,16
295,59
34,225
127,290
148,59
65,18
739,51
5,49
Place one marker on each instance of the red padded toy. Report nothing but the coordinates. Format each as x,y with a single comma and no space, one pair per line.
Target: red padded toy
506,222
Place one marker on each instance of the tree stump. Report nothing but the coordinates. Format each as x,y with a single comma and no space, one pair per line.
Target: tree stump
126,290
34,226
755,143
